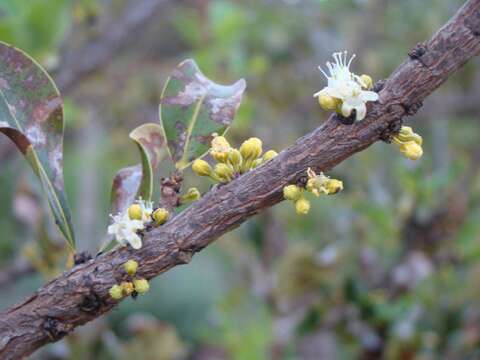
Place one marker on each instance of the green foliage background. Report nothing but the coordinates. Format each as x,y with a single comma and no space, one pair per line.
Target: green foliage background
386,269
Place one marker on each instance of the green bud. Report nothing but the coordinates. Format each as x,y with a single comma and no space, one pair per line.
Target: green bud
116,292
160,216
201,168
135,212
302,206
292,192
192,194
141,286
270,154
130,267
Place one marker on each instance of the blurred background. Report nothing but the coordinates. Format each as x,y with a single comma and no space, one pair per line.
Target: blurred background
388,268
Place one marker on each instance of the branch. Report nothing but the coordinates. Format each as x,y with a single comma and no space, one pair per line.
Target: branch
81,294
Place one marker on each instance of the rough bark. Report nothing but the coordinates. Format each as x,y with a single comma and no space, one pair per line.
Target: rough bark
81,294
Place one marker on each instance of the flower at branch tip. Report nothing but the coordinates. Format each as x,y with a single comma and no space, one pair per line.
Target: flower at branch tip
127,288
220,148
125,230
160,216
302,206
409,143
346,88
141,286
292,192
269,155
130,267
116,292
201,168
192,194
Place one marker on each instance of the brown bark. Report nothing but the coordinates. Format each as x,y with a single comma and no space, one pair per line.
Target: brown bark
81,294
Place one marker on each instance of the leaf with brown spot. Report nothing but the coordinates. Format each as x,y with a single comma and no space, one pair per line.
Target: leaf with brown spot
192,108
31,115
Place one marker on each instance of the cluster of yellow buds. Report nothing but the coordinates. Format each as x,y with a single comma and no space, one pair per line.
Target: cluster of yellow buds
129,288
317,185
232,162
409,143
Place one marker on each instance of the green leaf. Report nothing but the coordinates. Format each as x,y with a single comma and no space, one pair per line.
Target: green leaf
31,115
136,181
192,108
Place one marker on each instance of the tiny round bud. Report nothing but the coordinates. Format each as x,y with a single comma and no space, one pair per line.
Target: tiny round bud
224,171
160,216
127,288
201,168
235,158
251,149
327,102
141,286
302,206
192,194
292,192
367,82
130,267
333,186
411,150
116,292
135,212
270,154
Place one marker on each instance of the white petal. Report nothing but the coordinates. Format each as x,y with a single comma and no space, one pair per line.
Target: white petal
369,96
135,241
346,109
361,111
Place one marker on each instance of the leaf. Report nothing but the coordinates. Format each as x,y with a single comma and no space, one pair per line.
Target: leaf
31,115
135,181
192,108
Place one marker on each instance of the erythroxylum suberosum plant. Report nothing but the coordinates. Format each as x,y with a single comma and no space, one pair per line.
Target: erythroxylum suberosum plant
194,115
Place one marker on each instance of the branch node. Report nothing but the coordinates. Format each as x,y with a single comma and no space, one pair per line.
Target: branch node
392,129
80,258
55,329
417,52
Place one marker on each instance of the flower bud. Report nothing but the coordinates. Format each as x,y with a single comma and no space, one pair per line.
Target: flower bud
192,194
135,212
406,134
141,286
292,192
201,168
327,102
220,149
270,154
256,163
160,216
235,159
127,288
302,206
130,267
411,150
315,186
116,292
333,186
367,82
224,172
251,148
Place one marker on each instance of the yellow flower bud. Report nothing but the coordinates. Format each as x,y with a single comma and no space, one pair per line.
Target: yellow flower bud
141,286
160,216
367,82
327,102
127,288
201,168
135,212
220,148
224,172
302,206
130,267
251,149
411,150
235,159
406,134
256,163
315,186
292,192
116,292
192,194
270,154
333,186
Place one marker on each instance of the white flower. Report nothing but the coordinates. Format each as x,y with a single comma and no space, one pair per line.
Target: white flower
346,86
125,230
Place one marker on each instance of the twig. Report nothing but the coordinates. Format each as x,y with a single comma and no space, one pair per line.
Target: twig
58,307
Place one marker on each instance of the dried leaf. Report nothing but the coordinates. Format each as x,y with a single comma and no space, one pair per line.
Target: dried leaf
31,115
192,108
